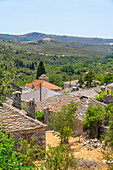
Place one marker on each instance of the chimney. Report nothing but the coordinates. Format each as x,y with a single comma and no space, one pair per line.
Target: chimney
31,108
17,99
103,88
111,89
32,84
15,80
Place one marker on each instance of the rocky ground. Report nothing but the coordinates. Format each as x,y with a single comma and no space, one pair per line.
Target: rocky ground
88,152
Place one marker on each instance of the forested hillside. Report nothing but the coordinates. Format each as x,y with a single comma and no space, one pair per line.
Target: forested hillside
75,46
23,59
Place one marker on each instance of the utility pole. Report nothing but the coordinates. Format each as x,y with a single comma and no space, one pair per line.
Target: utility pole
70,82
40,92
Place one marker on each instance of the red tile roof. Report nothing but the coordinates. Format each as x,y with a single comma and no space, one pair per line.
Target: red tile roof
44,84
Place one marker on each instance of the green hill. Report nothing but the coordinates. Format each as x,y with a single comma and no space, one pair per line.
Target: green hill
60,61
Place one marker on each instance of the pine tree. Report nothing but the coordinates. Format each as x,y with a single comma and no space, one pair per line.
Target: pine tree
89,77
40,70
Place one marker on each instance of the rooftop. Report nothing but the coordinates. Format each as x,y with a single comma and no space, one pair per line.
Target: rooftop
72,82
91,92
17,120
57,102
45,93
43,76
44,84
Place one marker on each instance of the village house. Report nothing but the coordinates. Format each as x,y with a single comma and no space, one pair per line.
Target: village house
70,84
35,85
84,99
21,124
44,77
38,95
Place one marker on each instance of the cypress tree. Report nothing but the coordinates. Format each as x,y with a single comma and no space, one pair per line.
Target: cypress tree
40,70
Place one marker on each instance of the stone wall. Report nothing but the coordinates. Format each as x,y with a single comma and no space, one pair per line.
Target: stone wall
95,102
108,98
38,134
79,128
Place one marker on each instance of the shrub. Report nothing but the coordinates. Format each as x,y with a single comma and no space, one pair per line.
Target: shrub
39,115
100,97
9,159
60,157
65,92
93,120
64,122
30,151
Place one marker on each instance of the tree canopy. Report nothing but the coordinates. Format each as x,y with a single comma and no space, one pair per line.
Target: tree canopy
89,77
93,120
40,70
64,122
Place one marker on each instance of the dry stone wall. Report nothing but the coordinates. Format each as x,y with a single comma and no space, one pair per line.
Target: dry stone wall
38,134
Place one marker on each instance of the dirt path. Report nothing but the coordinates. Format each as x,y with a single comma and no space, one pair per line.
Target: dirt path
79,151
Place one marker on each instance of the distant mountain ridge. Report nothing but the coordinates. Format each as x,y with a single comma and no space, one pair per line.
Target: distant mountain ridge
37,36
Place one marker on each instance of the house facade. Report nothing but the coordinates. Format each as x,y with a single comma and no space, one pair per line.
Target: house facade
21,124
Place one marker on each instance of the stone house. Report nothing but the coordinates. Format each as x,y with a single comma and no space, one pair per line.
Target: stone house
35,85
39,95
55,104
21,124
70,84
44,77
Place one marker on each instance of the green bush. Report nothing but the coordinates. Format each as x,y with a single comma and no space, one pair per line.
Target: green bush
100,97
94,119
59,157
39,115
9,159
21,159
30,151
64,122
65,92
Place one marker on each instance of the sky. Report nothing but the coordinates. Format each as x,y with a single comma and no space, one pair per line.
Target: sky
83,18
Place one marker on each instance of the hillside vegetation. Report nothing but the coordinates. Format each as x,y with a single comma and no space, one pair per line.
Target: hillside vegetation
49,42
60,63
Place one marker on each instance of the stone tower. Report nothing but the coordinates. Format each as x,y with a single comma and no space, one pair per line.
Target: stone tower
31,108
17,99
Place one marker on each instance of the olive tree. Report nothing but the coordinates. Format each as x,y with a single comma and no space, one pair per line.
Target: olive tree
93,120
64,122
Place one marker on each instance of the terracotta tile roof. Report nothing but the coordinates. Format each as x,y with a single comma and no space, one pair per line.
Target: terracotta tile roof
16,120
44,84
